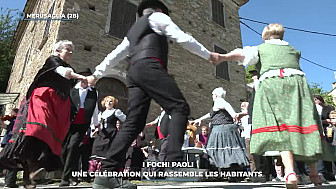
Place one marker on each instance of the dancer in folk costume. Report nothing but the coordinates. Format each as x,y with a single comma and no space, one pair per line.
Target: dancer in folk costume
146,45
83,115
108,127
48,118
284,115
225,147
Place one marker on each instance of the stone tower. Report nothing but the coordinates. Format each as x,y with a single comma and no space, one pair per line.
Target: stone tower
101,26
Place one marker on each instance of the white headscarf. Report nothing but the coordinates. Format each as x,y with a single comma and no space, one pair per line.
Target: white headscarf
219,92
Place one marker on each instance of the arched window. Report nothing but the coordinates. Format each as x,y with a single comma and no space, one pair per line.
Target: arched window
108,86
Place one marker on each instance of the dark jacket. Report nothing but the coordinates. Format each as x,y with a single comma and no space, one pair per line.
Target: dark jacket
89,104
47,77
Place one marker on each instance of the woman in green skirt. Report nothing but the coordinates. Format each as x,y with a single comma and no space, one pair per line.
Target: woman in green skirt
284,118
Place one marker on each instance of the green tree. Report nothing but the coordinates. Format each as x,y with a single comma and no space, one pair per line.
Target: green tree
8,24
316,89
248,75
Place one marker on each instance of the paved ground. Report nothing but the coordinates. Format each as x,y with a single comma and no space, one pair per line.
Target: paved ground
195,185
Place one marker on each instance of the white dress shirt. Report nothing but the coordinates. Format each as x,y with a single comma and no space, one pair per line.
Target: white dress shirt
82,95
161,24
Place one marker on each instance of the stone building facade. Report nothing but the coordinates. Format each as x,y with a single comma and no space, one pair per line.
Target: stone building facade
100,27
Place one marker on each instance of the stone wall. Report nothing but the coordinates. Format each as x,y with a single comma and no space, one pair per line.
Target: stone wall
32,49
194,75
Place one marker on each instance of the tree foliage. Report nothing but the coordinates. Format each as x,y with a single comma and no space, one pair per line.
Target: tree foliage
8,24
316,89
248,75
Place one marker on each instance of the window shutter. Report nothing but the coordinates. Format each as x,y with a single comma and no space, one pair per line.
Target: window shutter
222,69
218,12
123,16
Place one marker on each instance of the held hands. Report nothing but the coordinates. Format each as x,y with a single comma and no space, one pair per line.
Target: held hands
238,116
235,55
216,58
83,79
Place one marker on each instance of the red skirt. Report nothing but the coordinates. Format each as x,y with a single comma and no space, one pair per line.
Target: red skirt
48,118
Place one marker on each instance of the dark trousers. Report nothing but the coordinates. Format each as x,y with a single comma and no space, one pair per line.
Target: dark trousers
301,166
328,166
134,158
250,156
147,80
85,153
71,151
164,149
325,167
260,163
11,175
10,178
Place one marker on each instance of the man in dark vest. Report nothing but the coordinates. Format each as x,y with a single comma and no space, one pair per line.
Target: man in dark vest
83,114
161,132
146,45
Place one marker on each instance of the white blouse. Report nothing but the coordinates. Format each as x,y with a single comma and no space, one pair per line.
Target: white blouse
251,52
220,103
252,58
107,113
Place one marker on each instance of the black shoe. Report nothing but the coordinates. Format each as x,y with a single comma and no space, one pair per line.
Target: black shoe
86,179
64,183
71,182
261,179
11,186
233,179
110,183
329,176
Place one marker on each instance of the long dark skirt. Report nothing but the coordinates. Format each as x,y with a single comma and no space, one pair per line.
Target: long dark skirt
103,142
9,159
39,154
226,148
